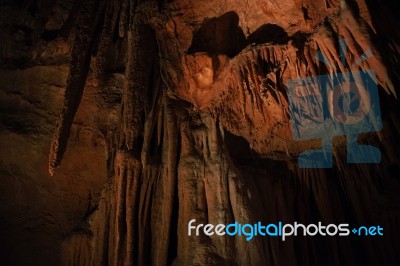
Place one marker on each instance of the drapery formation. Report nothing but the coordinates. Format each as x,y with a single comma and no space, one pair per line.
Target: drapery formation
205,135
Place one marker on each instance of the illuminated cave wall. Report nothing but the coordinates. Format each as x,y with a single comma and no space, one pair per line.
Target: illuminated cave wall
150,114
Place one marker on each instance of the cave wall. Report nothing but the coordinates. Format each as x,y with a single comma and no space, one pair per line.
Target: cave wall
150,114
37,210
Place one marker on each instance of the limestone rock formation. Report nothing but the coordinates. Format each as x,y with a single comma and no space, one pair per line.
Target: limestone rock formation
160,112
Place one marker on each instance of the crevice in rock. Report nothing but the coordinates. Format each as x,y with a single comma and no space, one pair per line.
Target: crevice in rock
220,35
268,33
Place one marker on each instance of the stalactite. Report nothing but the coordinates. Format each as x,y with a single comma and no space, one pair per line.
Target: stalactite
141,53
72,19
105,41
162,243
80,59
126,10
173,163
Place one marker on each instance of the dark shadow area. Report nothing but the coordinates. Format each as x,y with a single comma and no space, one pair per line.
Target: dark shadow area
220,35
49,35
238,147
300,39
268,33
305,13
242,154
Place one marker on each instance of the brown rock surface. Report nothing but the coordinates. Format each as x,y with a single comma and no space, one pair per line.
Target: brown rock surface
177,110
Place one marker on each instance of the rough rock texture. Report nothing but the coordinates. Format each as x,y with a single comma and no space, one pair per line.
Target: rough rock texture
177,110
